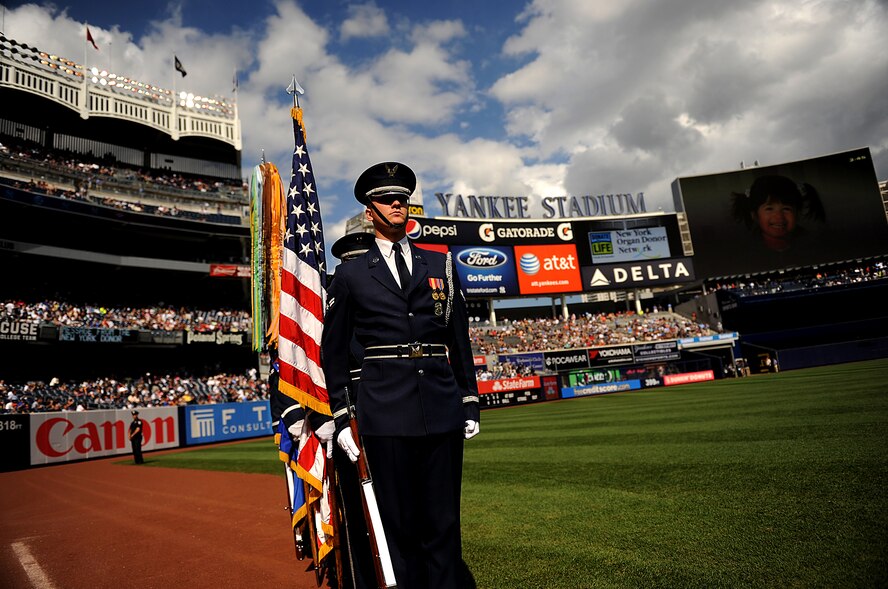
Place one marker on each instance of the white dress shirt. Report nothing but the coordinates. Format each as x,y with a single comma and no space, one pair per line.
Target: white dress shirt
385,248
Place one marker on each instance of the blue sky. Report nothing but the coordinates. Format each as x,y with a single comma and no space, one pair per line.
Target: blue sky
537,98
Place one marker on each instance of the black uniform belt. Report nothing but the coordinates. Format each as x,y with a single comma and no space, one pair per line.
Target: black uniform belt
414,350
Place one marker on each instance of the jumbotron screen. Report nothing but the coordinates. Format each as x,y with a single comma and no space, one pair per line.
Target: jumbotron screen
528,258
804,213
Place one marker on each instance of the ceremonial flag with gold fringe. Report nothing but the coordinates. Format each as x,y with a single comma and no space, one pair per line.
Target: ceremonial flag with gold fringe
257,263
289,454
303,283
300,321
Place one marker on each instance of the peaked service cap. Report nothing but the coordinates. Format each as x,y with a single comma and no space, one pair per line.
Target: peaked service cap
352,244
385,178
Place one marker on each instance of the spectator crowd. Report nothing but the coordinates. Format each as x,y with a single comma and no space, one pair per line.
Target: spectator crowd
583,331
166,318
147,391
96,171
810,280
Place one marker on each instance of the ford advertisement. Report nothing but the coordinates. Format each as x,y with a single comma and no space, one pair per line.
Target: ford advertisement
486,271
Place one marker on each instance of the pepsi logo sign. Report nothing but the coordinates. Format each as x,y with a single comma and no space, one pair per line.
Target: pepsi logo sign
481,258
414,229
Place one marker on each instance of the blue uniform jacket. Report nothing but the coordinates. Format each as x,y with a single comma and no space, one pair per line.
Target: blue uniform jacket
399,396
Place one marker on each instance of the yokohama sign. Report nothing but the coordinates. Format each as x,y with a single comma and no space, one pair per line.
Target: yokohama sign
63,437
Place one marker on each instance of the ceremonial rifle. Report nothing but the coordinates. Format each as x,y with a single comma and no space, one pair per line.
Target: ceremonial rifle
382,559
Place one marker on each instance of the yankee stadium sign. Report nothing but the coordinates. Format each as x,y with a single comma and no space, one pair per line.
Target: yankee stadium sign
517,207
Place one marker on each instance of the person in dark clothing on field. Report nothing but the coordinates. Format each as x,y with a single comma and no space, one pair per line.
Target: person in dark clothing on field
135,436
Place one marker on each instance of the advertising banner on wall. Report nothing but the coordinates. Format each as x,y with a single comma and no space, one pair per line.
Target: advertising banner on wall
486,270
531,359
600,389
637,275
562,360
688,377
547,269
629,245
20,330
480,232
98,335
226,421
236,338
551,387
66,436
519,383
657,351
610,356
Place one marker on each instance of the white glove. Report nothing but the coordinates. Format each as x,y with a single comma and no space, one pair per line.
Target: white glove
325,435
326,431
347,442
472,428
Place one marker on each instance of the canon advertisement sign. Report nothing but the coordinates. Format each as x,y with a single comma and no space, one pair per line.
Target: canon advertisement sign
67,436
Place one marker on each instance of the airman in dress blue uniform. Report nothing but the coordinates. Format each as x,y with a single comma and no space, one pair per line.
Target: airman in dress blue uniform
417,398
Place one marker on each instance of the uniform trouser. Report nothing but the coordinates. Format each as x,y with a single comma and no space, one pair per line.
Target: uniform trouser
358,571
418,482
137,451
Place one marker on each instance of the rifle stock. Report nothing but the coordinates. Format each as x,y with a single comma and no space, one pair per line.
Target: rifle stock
382,560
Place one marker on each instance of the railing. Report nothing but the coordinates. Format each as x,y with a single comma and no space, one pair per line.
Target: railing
233,201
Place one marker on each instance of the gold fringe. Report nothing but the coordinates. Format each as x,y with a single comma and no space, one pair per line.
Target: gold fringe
296,113
275,223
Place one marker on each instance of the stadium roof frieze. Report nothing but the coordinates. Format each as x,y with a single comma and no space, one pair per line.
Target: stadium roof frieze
98,93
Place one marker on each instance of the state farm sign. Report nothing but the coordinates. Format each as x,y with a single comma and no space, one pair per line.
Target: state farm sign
521,383
66,436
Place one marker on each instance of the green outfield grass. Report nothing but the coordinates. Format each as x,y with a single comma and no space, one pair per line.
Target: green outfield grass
771,481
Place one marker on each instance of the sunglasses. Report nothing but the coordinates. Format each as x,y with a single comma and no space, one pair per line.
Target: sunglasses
388,199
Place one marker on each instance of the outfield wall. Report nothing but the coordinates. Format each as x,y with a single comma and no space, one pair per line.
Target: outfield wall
39,439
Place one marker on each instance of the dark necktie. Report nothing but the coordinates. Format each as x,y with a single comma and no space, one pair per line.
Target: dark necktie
401,265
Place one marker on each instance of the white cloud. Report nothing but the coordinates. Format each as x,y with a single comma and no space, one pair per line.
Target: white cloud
364,20
593,97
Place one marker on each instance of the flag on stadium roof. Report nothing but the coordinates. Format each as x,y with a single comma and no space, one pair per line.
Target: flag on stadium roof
179,67
89,39
303,282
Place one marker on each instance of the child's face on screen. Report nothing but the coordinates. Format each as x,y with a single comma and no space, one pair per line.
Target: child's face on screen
776,220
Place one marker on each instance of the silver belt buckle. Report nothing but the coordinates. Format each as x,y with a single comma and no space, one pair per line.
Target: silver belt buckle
415,350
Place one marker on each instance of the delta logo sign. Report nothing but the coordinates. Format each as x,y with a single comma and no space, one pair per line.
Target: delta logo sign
486,270
548,269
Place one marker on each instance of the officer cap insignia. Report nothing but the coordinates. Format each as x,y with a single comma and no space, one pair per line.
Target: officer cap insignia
385,178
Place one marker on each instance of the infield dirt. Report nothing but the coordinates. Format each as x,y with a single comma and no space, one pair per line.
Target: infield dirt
105,524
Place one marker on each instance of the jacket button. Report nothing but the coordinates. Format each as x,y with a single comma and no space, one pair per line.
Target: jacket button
421,371
410,314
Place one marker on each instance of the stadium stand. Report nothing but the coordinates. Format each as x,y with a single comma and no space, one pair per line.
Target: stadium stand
589,329
146,391
158,317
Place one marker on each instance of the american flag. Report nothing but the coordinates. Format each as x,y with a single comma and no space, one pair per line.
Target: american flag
303,281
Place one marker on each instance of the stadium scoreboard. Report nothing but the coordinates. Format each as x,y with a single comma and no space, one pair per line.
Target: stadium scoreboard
528,258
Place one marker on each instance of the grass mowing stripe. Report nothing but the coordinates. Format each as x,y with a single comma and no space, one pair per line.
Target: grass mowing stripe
773,481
